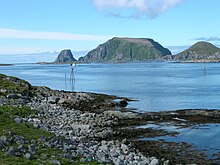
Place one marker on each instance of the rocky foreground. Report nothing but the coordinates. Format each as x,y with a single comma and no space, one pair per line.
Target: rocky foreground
89,128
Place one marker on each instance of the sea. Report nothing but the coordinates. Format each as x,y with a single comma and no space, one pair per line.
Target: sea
156,86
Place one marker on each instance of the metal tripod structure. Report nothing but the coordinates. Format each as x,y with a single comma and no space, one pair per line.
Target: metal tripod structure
72,78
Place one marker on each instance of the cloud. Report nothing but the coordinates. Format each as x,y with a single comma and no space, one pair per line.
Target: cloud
25,34
12,49
210,39
138,8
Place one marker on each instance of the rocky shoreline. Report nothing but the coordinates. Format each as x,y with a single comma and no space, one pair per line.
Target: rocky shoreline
94,127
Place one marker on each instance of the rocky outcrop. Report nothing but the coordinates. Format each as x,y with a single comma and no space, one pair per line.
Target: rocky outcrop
65,56
126,49
199,52
13,87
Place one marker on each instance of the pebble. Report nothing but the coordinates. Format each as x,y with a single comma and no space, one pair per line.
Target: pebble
154,162
18,120
28,156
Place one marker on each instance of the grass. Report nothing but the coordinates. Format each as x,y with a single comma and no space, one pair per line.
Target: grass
13,85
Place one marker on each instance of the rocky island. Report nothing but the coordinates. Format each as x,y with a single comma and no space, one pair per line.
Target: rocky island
65,56
199,52
126,50
5,64
40,125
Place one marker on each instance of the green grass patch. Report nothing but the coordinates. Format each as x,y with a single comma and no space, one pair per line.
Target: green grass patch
13,85
7,115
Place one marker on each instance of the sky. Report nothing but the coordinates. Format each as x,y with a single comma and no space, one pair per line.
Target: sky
36,26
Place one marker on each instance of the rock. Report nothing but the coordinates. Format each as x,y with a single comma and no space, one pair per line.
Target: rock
124,148
54,161
167,162
36,125
154,162
28,156
122,115
11,151
18,120
124,141
105,134
145,161
104,149
20,147
123,103
12,96
3,90
53,100
31,150
4,139
1,145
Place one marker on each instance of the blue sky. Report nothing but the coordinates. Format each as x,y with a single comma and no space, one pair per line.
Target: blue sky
33,26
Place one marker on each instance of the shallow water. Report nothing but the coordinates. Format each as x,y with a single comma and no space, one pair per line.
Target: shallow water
204,137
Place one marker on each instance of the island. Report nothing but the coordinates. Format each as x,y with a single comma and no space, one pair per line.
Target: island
126,50
64,57
199,52
6,64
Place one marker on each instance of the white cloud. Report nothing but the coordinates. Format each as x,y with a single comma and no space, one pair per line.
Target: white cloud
25,34
210,39
142,8
11,49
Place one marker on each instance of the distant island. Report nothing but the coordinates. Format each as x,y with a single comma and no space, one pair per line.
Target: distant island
126,50
64,57
199,52
5,64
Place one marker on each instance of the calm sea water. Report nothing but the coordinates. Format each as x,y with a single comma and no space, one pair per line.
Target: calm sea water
204,137
157,86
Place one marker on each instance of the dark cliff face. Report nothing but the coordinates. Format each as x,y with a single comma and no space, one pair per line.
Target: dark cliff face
199,51
65,56
126,49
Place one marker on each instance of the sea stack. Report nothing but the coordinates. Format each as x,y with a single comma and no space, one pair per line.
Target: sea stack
65,56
